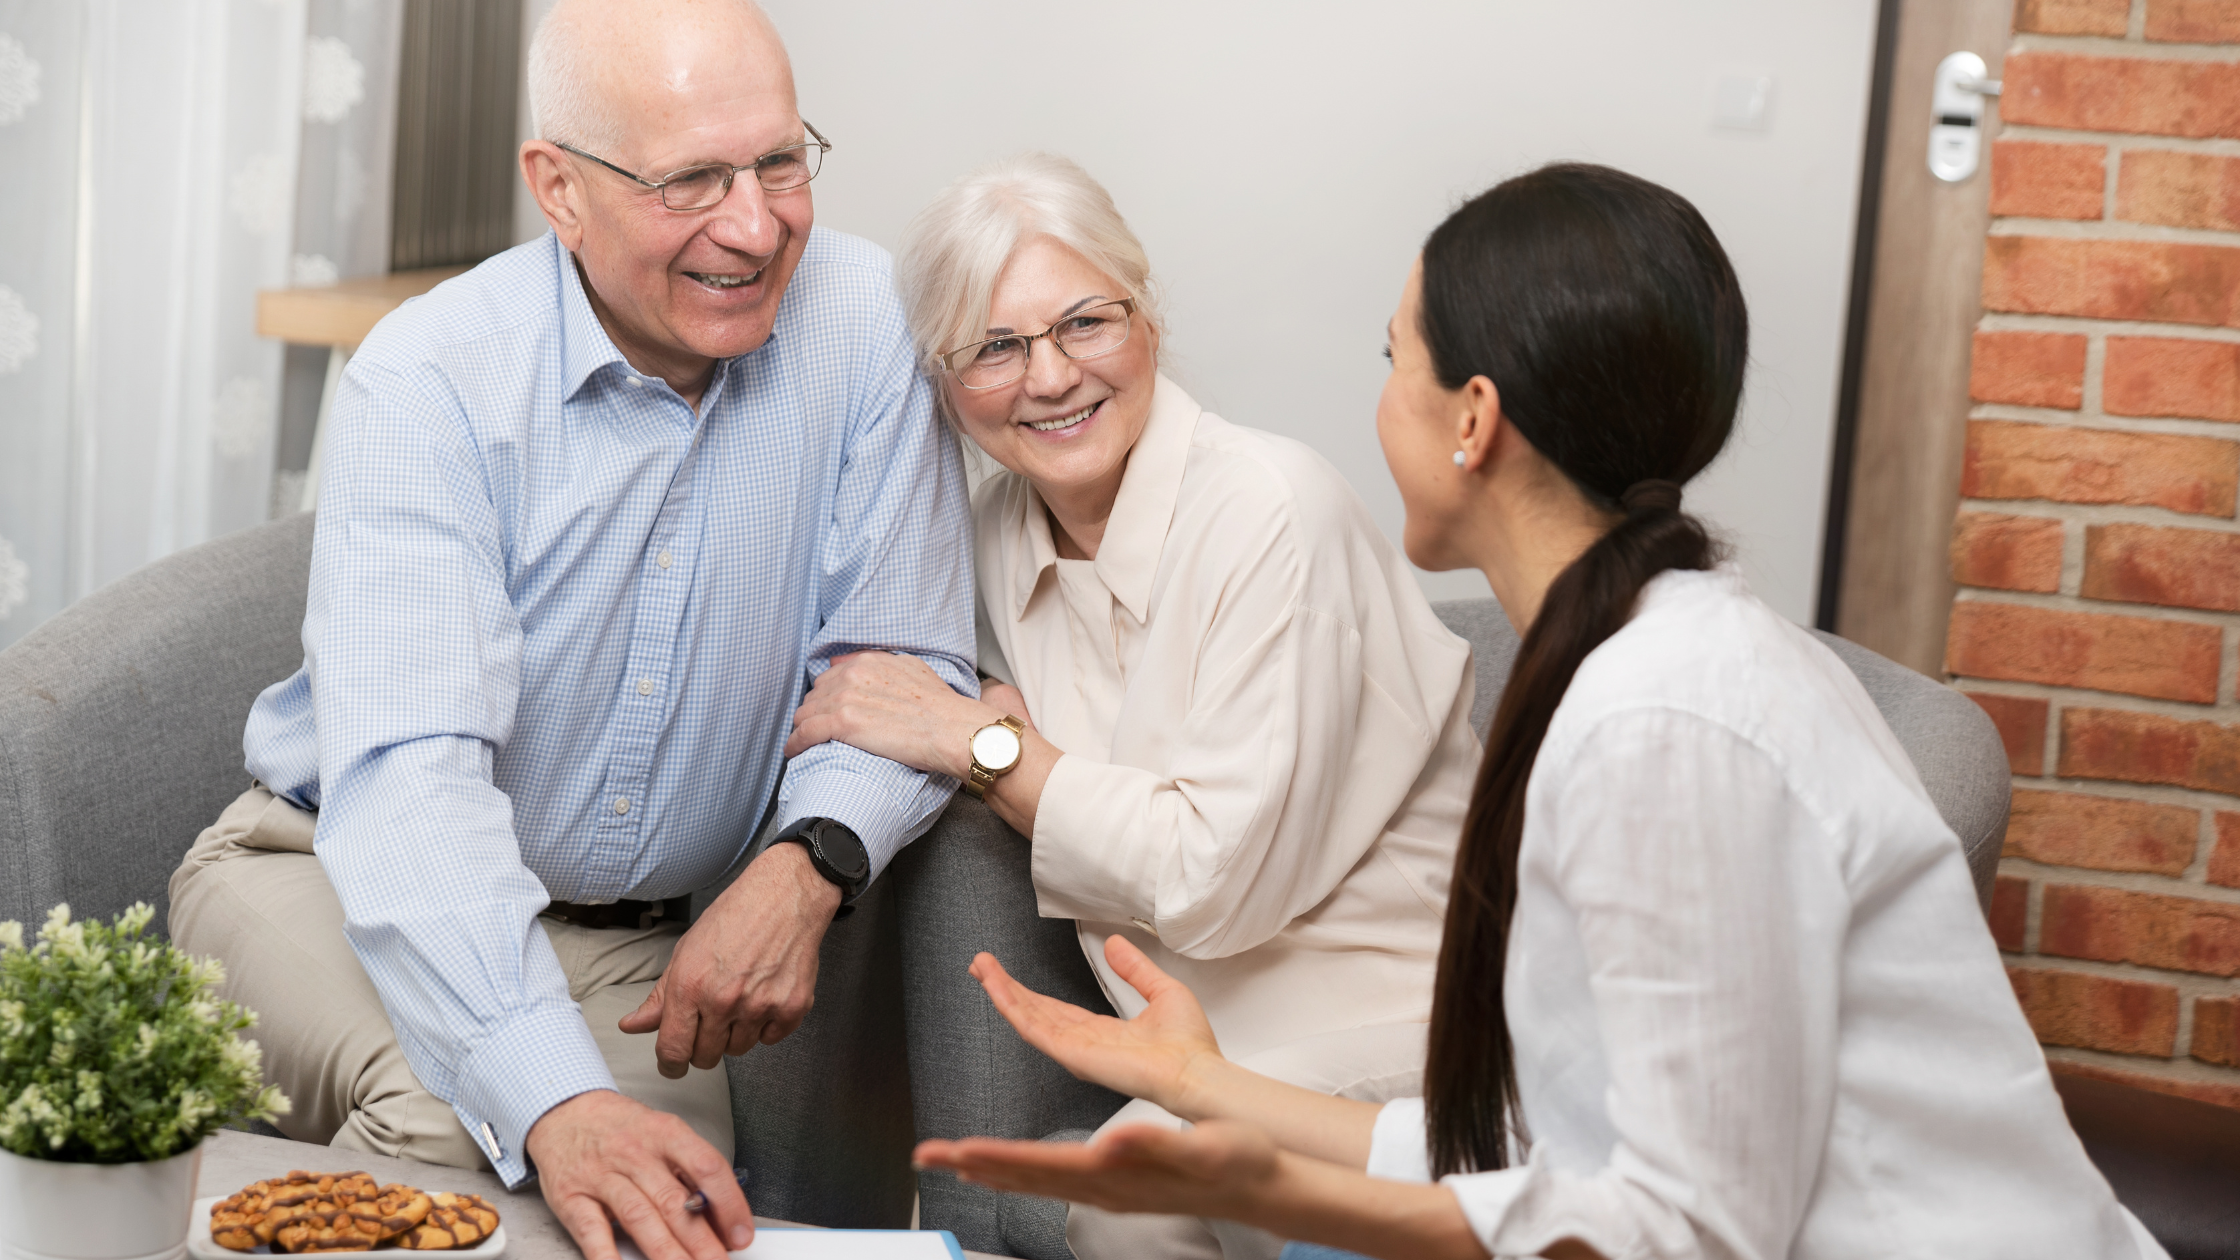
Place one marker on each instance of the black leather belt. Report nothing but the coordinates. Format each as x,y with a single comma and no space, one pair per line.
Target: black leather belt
622,914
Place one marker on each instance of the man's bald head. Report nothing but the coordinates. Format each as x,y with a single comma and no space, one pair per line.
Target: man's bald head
650,88
600,70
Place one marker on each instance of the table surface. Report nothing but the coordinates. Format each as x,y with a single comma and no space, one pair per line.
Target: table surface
232,1159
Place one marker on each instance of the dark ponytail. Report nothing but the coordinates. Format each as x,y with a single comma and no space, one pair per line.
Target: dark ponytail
1607,316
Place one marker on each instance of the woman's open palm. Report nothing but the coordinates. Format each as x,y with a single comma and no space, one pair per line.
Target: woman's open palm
1148,1057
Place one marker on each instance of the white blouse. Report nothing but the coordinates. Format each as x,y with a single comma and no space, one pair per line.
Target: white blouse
1266,730
1756,1010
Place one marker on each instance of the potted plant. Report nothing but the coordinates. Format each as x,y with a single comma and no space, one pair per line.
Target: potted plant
116,1061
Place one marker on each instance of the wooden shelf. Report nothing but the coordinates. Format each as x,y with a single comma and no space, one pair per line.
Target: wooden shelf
341,314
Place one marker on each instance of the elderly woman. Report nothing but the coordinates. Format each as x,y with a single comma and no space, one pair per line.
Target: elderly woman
1240,738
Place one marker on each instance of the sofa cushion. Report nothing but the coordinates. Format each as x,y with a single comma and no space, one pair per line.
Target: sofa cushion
121,719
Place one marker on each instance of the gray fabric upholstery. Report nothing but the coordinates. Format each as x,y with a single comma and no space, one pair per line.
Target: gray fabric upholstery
963,888
1955,748
822,1119
1952,742
120,719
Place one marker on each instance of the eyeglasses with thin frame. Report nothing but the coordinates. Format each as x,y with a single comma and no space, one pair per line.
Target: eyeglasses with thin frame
698,187
1085,334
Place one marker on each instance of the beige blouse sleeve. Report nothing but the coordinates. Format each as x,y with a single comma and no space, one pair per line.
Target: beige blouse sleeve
1300,741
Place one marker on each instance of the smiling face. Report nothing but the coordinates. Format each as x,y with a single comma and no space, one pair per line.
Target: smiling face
707,83
1068,424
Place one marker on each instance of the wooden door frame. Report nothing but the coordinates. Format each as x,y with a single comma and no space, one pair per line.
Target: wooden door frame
1902,409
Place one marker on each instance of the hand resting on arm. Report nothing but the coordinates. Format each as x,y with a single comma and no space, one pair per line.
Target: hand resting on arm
893,705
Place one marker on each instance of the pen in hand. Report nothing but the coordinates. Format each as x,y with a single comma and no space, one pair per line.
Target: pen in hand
697,1202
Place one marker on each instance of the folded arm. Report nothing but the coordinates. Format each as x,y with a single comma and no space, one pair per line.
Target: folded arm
897,577
1263,762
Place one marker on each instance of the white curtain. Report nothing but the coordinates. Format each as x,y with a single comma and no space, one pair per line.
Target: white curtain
160,162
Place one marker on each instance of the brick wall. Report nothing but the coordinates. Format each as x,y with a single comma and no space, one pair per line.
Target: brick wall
2097,545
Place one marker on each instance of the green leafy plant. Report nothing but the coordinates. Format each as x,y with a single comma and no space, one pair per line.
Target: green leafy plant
112,1047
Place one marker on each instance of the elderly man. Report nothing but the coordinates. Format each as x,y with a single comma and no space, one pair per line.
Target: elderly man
594,513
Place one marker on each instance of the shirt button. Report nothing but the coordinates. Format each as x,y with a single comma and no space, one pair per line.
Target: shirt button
662,560
622,804
1145,924
636,381
645,686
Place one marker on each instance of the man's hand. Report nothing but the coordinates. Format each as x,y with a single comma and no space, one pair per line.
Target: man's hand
746,973
601,1155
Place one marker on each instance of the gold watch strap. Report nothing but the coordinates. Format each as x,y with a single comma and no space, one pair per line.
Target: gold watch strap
981,777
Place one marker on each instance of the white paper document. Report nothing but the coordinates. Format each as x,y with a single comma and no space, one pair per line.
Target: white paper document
839,1244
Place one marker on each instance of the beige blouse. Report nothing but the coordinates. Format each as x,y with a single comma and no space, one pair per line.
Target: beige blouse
1266,728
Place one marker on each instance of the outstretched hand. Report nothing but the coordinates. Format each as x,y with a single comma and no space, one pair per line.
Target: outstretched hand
1156,1056
1231,1170
1216,1169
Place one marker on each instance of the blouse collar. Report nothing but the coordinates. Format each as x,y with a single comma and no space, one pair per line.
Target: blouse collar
1128,557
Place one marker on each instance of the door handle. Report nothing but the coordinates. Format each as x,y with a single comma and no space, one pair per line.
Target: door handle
1956,117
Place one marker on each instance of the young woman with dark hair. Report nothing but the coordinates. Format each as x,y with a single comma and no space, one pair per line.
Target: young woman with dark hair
1713,982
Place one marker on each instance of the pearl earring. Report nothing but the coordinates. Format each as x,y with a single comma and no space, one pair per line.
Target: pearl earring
1458,459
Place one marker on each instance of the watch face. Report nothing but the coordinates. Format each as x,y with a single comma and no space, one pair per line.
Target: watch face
844,850
995,747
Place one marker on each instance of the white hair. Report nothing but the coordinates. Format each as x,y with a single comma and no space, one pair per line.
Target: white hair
956,247
564,104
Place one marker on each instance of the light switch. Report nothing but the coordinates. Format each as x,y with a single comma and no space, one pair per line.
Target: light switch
1743,101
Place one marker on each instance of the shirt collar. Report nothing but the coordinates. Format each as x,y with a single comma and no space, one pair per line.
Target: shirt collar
584,344
1128,557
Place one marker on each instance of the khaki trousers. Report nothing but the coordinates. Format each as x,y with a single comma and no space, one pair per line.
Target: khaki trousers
1374,1063
251,894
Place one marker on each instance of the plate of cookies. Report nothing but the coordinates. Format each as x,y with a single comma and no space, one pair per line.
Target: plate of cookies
305,1213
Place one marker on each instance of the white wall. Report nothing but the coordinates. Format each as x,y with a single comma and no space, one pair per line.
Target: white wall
1282,163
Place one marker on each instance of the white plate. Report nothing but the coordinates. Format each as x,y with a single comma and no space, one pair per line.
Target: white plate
201,1248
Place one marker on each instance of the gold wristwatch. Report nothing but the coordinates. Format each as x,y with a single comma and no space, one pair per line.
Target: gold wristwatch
996,748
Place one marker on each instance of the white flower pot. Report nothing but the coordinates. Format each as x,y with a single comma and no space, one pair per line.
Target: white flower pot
57,1211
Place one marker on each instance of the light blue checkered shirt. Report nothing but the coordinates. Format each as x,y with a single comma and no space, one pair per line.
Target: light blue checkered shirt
558,627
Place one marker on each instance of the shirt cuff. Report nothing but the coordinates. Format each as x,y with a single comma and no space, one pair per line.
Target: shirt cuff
1491,1201
1399,1148
864,806
518,1073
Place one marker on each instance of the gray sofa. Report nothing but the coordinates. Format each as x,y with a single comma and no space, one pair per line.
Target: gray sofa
120,739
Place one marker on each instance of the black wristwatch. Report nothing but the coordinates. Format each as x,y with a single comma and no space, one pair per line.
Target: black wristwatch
836,852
